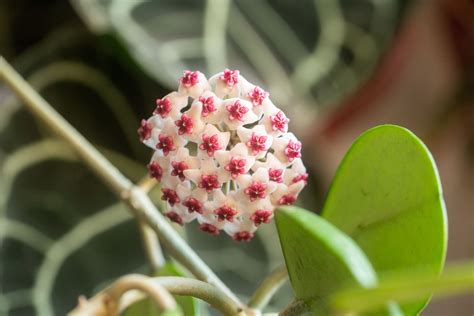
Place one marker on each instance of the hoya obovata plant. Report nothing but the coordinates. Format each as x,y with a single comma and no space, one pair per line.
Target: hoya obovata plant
223,156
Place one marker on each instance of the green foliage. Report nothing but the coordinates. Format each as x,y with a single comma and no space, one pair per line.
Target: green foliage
405,287
188,306
387,196
320,259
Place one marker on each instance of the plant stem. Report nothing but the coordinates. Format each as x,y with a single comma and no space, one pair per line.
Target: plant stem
199,289
150,239
269,286
151,246
118,183
296,307
108,301
158,293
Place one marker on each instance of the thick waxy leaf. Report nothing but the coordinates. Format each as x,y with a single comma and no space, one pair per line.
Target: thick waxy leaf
387,196
321,259
404,287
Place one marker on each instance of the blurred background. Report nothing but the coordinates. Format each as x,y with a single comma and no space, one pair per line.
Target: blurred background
336,67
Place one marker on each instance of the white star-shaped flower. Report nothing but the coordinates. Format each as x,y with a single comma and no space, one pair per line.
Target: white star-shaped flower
193,84
256,186
211,141
234,162
287,148
256,139
238,112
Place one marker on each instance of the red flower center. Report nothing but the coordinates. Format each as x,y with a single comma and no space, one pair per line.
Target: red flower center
275,175
178,169
293,150
170,195
174,217
301,177
163,107
209,183
288,199
207,105
225,213
230,77
242,236
193,205
257,143
257,95
155,170
144,130
261,216
209,228
256,191
185,124
279,122
210,144
189,78
236,111
166,144
236,166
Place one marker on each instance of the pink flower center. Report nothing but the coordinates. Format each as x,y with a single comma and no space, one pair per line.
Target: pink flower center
230,77
261,216
210,144
144,130
185,124
257,143
301,177
288,199
257,95
207,105
155,170
243,236
174,217
279,122
163,107
275,175
170,196
256,191
178,169
293,150
166,144
209,183
236,111
189,78
236,166
225,213
193,205
209,228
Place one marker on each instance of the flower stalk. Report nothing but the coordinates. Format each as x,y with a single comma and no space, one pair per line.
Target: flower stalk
269,286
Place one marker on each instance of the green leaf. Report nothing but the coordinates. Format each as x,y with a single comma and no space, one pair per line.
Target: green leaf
189,306
320,259
387,196
404,287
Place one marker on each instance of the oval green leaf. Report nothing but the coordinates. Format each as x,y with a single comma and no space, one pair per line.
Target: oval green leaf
321,260
387,196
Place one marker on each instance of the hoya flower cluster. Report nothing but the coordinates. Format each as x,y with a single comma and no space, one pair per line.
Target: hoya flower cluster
223,154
